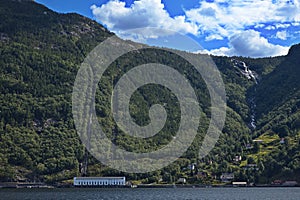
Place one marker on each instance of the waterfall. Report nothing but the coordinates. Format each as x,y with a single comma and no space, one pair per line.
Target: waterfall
250,75
244,69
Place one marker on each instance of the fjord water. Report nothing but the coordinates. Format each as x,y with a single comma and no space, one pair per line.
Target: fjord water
154,193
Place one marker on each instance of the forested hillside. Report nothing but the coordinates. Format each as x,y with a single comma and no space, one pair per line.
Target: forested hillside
40,54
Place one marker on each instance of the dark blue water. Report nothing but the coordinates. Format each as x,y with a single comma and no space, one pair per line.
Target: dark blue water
151,193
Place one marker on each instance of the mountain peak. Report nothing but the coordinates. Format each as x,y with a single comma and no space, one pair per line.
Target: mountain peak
294,50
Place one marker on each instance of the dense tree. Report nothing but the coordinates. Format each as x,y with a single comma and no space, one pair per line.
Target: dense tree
40,54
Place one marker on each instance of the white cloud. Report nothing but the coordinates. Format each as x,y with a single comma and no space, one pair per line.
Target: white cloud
141,14
282,25
281,35
230,20
223,51
235,15
296,23
270,27
259,26
249,43
214,37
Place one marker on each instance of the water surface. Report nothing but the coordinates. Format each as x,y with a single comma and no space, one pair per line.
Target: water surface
153,193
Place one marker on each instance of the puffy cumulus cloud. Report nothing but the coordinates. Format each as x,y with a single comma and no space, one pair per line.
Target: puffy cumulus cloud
227,17
270,27
249,43
235,21
141,14
281,35
214,37
296,23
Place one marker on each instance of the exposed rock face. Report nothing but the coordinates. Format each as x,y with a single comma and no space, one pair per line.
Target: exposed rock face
244,69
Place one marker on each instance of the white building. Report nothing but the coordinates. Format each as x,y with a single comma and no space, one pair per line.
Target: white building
99,181
239,183
181,180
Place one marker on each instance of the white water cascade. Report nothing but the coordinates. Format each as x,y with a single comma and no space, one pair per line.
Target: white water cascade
250,75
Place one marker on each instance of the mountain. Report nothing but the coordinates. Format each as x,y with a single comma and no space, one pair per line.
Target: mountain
40,54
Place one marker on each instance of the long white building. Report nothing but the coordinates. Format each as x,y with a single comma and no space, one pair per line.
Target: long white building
99,181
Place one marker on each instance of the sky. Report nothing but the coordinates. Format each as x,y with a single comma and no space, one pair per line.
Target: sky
251,28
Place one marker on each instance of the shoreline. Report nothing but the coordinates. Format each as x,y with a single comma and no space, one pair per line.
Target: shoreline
45,186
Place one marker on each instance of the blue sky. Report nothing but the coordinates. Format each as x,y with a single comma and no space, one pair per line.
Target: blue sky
254,28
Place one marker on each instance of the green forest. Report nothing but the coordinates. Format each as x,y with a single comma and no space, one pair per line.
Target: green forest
40,54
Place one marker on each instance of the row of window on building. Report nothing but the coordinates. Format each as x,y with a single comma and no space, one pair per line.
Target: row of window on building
99,181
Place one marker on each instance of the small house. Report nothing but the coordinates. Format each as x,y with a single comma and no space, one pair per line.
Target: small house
181,180
237,158
227,177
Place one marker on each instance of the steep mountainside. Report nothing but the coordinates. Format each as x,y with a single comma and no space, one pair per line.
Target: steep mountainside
40,54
